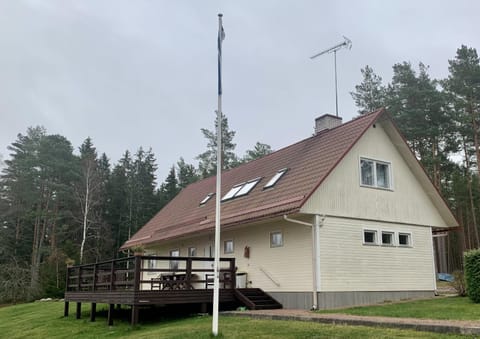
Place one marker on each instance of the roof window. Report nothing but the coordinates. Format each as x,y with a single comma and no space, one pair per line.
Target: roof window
275,178
241,189
204,201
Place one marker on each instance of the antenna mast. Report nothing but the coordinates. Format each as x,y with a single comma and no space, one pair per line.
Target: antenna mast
347,43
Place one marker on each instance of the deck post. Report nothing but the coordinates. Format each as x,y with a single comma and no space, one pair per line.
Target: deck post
65,309
79,282
189,273
233,274
136,281
93,312
94,277
79,310
110,314
134,319
112,274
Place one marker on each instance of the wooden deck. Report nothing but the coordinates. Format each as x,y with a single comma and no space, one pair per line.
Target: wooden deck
148,280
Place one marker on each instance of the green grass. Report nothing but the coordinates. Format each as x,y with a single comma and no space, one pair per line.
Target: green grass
443,308
45,320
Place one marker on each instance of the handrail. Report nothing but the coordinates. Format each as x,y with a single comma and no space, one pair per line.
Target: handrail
128,273
269,276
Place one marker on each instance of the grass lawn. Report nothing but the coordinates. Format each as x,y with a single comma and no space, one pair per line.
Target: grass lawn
449,308
45,320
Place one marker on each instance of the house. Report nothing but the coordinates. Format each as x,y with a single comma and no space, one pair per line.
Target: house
344,217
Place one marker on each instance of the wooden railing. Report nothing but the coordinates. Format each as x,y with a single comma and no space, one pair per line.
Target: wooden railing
140,273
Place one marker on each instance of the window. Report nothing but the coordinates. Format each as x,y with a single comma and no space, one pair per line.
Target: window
228,246
387,238
174,263
241,189
204,201
276,239
192,251
375,173
232,192
275,178
404,239
370,237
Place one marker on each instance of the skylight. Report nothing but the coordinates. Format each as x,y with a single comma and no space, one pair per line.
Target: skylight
275,178
247,187
204,201
241,189
232,192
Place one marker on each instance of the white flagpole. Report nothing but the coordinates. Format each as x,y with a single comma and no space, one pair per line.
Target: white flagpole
216,263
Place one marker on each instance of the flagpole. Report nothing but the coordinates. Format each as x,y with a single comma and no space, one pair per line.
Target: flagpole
216,263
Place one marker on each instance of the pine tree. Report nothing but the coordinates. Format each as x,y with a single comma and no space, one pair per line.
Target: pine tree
370,94
187,173
259,150
208,159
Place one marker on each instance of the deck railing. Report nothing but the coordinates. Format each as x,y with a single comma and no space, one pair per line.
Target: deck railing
146,273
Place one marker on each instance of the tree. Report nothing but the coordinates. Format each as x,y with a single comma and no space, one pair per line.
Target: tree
208,159
90,192
187,174
170,188
259,150
370,94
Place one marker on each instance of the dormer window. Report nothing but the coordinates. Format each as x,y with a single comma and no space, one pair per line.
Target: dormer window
275,178
241,189
374,173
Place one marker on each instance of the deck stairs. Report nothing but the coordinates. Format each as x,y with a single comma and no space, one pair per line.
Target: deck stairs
256,299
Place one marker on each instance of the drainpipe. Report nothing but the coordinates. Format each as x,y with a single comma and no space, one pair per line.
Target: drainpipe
318,222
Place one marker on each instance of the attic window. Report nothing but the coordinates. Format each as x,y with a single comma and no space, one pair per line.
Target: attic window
241,189
275,178
204,201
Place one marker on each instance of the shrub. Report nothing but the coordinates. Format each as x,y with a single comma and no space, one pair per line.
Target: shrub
459,283
472,274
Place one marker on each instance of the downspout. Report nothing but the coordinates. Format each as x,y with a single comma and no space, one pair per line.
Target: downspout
318,222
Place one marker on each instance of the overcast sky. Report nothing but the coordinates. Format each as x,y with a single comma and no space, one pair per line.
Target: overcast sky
143,73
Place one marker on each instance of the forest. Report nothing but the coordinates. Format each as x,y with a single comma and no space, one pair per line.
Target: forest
60,205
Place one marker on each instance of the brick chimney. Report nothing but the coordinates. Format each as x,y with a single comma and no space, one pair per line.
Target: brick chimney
326,121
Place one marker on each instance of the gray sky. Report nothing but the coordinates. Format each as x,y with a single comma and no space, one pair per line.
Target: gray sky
143,73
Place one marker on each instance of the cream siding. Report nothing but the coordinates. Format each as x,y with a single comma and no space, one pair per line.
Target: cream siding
341,194
349,265
286,268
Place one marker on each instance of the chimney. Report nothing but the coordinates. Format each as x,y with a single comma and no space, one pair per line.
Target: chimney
326,121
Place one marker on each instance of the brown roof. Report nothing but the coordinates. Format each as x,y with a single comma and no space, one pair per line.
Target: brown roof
309,162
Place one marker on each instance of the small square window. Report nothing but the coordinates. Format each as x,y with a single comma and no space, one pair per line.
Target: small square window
370,237
276,239
228,246
404,239
192,251
387,238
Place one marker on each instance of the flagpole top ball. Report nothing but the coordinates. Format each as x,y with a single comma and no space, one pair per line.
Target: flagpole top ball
220,15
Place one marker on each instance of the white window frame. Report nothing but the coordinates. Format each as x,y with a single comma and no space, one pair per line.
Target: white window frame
192,251
272,245
273,181
225,247
173,264
375,242
375,179
392,235
410,239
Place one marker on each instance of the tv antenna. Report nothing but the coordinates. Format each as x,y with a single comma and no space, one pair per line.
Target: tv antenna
347,43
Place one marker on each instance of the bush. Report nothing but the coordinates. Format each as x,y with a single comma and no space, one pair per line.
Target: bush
472,274
14,283
459,283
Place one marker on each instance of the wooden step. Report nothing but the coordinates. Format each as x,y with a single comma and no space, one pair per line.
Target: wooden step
256,299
